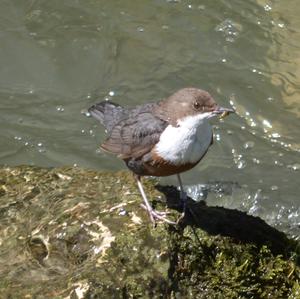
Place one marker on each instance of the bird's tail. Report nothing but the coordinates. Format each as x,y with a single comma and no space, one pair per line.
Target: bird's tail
108,113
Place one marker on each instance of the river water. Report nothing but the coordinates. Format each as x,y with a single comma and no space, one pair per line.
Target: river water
59,57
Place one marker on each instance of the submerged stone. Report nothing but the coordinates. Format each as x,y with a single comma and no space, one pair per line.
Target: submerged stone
74,233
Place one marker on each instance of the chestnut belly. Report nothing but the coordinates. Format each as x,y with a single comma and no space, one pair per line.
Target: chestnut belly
165,169
156,166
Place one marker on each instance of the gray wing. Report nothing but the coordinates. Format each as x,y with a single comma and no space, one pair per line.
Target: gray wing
135,136
108,113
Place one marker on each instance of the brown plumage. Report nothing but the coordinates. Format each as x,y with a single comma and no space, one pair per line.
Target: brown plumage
134,135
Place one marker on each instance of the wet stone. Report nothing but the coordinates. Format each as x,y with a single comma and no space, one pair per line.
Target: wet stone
75,233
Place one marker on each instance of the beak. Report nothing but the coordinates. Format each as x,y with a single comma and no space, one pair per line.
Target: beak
222,112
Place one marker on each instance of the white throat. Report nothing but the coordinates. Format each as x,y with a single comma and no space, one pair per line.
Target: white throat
187,142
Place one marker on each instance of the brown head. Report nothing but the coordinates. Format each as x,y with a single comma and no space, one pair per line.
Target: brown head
188,102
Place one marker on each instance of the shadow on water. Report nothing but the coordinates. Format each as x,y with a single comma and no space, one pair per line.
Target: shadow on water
227,222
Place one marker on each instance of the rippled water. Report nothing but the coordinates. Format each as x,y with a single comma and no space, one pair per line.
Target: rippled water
58,58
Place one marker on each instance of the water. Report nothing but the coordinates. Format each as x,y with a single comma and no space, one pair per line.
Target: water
57,58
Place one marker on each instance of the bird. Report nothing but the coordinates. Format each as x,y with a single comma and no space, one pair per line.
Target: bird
160,138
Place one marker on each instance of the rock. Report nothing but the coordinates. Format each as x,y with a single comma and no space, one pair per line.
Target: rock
74,233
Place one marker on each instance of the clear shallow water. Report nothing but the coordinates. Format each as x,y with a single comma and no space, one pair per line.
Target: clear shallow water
59,58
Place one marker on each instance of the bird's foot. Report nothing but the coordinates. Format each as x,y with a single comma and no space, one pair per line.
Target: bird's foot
160,213
183,198
158,216
180,217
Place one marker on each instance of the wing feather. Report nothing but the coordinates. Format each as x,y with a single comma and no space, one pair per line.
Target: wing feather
135,136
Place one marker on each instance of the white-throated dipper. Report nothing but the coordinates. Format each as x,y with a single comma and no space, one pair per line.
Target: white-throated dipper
160,139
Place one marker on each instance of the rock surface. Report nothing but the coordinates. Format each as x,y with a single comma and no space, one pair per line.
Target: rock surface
74,233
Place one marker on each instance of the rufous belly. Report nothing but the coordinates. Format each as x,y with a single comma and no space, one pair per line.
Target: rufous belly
160,167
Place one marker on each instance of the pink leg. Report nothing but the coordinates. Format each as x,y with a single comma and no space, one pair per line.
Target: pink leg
183,197
152,213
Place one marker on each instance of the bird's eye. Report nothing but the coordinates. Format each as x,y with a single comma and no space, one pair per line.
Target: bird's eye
197,105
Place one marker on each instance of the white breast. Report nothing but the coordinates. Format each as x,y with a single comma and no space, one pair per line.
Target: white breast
187,142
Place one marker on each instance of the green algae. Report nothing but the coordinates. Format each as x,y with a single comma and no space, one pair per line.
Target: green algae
219,268
74,233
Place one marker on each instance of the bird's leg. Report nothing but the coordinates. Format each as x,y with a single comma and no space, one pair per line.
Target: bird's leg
160,213
152,213
183,197
147,204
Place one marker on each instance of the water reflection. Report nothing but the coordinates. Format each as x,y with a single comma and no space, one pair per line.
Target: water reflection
230,30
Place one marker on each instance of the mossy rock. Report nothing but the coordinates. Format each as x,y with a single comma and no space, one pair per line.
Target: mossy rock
74,233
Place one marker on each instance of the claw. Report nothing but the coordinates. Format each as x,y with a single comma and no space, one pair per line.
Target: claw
154,215
158,215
